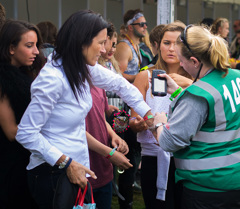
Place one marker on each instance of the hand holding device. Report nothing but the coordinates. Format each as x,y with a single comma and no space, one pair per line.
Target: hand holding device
159,84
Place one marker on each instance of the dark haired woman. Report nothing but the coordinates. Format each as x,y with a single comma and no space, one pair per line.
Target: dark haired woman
53,126
49,33
19,55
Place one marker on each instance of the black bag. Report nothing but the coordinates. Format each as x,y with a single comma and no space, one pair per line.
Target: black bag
66,193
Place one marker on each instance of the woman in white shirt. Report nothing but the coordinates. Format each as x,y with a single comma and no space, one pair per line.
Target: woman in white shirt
53,126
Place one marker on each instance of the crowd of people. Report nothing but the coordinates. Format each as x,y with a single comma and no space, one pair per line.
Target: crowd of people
61,89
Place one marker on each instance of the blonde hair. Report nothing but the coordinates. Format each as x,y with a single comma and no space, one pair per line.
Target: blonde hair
207,47
218,23
161,64
146,40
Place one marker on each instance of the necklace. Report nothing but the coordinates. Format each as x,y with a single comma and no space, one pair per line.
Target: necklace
135,49
109,65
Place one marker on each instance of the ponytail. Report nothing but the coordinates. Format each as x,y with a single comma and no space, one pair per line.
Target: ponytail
219,55
207,47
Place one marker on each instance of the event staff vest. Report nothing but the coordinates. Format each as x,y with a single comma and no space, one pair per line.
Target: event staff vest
212,161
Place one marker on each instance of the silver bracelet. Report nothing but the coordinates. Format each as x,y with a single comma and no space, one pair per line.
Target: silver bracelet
63,164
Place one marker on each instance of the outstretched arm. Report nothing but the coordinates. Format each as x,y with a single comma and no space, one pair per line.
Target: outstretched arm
103,78
141,82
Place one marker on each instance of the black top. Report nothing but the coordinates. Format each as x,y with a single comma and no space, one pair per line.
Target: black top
146,55
154,60
15,84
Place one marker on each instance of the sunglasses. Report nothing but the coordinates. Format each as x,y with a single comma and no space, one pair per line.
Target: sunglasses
114,45
184,38
141,24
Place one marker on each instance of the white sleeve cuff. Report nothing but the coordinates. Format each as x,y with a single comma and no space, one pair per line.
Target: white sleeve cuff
53,155
142,108
161,193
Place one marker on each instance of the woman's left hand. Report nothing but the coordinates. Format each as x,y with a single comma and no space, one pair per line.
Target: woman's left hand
120,144
138,124
76,173
172,86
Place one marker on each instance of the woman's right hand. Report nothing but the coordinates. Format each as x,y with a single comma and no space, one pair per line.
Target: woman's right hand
119,160
138,124
171,84
160,118
76,173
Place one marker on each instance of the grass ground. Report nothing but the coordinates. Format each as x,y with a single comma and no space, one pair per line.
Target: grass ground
137,201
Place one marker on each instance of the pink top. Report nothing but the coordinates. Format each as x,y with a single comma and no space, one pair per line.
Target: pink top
95,125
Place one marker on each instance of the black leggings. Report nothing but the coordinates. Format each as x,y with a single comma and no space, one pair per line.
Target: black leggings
126,180
210,200
149,185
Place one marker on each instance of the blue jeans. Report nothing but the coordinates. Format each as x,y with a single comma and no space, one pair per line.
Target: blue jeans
103,196
42,182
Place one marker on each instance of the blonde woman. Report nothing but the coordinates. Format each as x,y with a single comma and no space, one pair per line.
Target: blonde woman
203,128
157,172
220,27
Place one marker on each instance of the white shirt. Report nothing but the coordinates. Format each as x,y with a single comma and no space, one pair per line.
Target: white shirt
54,122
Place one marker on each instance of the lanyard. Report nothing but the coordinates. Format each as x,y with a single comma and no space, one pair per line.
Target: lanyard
137,51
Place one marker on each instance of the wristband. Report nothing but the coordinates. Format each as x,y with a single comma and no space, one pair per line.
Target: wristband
63,164
111,153
144,68
68,163
148,117
175,93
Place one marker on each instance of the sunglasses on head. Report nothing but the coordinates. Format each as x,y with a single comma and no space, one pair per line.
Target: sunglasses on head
183,38
141,24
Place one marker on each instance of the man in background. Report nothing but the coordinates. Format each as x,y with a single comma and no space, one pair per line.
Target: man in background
234,44
129,58
128,53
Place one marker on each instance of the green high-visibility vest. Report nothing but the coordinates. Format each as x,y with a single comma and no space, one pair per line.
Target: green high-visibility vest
212,161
